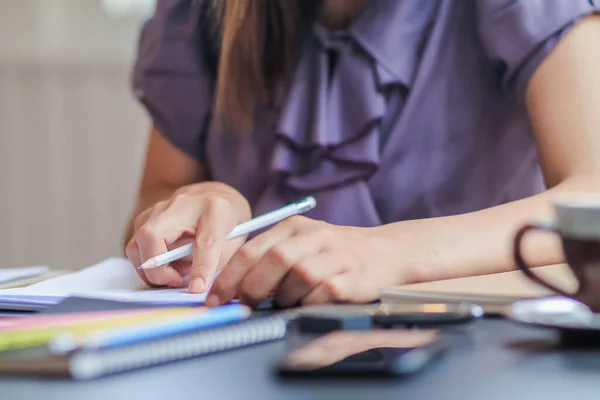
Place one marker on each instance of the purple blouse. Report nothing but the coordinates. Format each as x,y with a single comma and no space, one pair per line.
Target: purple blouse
423,115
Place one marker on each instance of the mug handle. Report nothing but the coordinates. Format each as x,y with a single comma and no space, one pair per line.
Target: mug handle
523,266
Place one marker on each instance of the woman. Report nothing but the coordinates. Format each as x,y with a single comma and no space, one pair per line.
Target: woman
428,131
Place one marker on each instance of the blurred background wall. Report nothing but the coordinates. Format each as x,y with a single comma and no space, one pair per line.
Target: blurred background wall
72,136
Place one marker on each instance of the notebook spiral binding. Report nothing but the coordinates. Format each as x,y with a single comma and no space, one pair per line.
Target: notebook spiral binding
92,364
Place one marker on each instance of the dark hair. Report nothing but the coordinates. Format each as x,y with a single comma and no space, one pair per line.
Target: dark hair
258,45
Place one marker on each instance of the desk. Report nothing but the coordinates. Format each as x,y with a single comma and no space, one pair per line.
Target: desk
491,360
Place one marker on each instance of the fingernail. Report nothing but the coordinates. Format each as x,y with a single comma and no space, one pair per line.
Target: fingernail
197,285
212,301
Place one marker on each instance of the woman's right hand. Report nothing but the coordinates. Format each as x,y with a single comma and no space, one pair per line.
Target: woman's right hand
203,214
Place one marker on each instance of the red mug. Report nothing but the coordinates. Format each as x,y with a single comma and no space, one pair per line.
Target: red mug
578,225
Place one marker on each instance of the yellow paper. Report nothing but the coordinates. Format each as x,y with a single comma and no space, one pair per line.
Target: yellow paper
18,339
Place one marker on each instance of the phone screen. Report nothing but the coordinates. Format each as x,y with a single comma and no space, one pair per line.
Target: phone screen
364,352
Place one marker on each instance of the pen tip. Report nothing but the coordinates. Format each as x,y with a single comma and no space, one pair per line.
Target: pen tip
151,263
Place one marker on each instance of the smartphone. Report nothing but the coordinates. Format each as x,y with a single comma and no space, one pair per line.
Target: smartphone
374,353
426,314
387,314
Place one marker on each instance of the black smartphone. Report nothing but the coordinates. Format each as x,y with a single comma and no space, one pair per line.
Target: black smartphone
389,314
374,353
426,314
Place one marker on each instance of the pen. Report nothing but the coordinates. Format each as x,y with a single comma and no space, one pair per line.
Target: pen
254,224
210,318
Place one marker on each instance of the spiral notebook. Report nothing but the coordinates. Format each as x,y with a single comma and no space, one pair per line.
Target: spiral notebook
90,364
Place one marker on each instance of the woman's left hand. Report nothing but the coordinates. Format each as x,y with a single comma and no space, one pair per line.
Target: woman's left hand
303,261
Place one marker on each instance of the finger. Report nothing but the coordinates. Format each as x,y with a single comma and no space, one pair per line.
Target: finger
150,244
180,243
336,289
177,219
133,254
215,223
225,286
275,265
182,266
131,250
306,275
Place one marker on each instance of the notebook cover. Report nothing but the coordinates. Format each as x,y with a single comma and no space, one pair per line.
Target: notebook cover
36,361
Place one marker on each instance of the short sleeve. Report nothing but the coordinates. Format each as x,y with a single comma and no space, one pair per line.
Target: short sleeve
518,34
172,78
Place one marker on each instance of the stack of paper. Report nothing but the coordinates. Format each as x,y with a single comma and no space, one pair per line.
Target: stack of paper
12,275
112,279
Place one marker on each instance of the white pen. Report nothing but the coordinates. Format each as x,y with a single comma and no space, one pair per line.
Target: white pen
254,224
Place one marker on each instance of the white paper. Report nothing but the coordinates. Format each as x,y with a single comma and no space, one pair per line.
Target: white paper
13,274
112,279
154,296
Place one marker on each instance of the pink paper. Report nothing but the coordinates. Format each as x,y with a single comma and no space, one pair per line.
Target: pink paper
47,321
